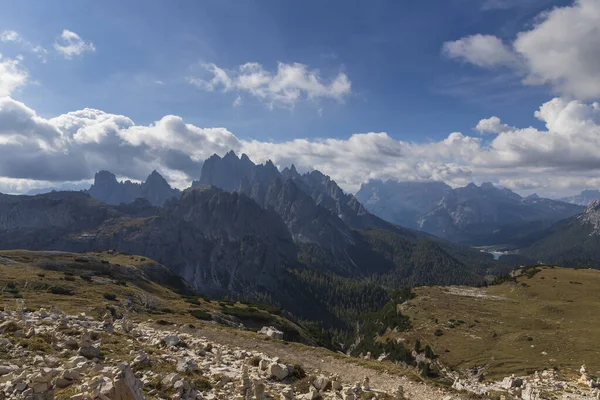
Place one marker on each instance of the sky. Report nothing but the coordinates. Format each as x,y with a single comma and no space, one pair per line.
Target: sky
455,90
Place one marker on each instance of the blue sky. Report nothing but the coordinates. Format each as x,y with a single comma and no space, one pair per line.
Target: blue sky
454,90
390,51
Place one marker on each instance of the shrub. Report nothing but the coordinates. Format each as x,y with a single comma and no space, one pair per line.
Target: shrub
11,327
418,346
86,278
201,314
298,372
429,353
438,332
61,290
69,278
202,384
121,282
110,296
41,275
254,361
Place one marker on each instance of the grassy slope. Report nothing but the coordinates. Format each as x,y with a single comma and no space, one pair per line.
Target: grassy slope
30,275
511,325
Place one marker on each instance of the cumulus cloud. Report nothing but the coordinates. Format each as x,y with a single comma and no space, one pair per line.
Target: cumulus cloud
73,146
70,44
12,75
285,87
481,50
561,50
10,36
492,125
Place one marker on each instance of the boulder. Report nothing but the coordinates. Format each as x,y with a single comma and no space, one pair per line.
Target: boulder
271,332
277,371
320,382
186,365
511,382
171,340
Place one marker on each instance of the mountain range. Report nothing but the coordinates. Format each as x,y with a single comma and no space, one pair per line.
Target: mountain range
250,231
477,215
585,198
242,229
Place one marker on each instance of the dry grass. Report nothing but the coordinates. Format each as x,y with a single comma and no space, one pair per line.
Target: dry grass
550,320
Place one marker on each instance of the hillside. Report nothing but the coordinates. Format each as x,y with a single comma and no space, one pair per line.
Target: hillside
543,319
88,282
112,332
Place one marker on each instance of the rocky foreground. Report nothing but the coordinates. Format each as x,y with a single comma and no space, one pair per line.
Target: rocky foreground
48,354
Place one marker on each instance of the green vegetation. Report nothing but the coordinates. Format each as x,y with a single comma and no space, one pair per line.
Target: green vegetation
61,290
201,314
110,296
375,325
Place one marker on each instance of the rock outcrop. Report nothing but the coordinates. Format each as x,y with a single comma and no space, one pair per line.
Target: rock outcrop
204,369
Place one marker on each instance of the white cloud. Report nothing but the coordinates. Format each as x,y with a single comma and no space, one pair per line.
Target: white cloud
481,50
71,44
12,75
492,125
562,158
285,87
10,36
561,50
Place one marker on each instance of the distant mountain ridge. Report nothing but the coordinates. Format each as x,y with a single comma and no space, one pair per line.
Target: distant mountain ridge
155,189
585,198
471,214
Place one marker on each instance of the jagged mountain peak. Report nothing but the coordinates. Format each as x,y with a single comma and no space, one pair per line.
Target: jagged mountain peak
230,155
155,189
155,177
104,176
